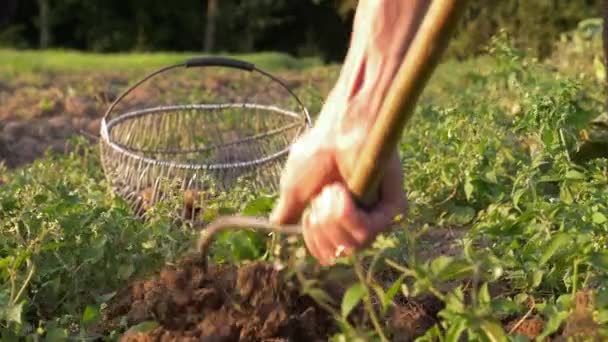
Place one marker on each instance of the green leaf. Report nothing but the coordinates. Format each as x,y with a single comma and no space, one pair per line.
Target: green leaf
226,211
491,177
456,328
556,318
56,335
447,268
90,315
126,270
392,291
259,206
462,215
4,262
517,196
601,299
351,298
144,327
439,264
537,278
600,70
602,317
484,294
319,295
40,198
558,241
599,260
504,306
52,246
599,218
493,331
565,194
519,338
575,175
245,244
456,270
379,292
12,313
468,188
432,335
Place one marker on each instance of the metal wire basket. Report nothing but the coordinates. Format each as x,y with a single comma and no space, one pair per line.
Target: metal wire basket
202,148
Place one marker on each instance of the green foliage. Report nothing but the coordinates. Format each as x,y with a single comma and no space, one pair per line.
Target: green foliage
63,235
351,298
537,218
492,153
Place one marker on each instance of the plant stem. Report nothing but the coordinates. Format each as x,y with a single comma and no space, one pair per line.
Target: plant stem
13,286
366,300
372,266
523,319
25,283
411,273
575,277
325,306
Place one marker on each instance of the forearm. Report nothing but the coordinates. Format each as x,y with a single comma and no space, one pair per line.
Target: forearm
382,33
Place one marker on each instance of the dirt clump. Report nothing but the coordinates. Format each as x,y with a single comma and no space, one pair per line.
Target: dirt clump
581,325
256,302
530,327
414,318
253,303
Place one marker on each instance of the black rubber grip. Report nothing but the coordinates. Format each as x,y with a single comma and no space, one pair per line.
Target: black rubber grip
219,61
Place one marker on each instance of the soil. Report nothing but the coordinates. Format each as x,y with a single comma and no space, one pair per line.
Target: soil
529,327
254,303
251,304
41,113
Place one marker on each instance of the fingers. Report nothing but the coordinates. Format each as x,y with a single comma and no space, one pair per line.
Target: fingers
310,166
393,199
335,223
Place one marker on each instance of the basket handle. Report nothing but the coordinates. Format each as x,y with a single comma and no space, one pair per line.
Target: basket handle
206,62
219,61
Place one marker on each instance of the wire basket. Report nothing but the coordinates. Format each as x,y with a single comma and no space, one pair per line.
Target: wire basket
197,149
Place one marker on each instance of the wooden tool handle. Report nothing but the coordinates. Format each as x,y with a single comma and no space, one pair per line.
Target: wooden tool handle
397,108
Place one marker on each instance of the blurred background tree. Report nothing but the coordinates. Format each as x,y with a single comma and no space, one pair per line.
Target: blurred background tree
298,27
534,25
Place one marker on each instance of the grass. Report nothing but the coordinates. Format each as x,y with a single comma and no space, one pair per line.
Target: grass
64,60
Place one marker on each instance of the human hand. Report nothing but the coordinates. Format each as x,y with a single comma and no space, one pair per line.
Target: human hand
315,174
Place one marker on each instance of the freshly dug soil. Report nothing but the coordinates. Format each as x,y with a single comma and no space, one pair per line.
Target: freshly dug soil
253,303
530,328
